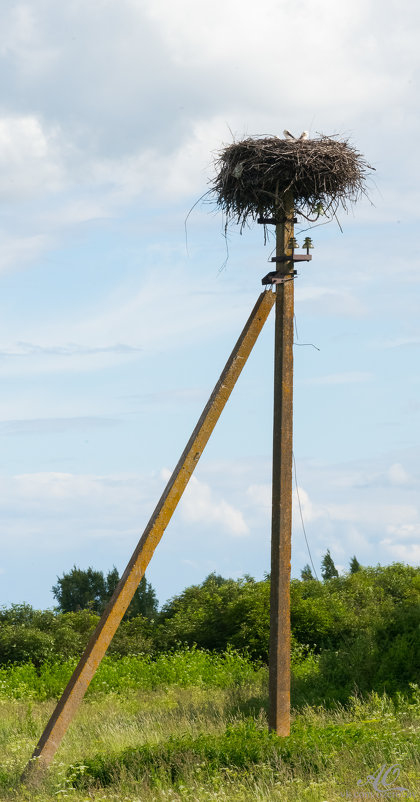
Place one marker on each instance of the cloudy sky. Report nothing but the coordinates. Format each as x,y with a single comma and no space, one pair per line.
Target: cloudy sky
114,330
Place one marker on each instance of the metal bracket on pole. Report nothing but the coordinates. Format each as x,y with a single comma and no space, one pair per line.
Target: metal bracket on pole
277,277
296,257
124,592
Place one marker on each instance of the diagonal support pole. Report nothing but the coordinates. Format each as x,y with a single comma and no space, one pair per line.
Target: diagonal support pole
124,592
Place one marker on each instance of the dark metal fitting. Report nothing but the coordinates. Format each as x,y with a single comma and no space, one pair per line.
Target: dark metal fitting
277,277
297,257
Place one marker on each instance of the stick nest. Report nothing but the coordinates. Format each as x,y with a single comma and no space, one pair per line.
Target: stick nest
253,176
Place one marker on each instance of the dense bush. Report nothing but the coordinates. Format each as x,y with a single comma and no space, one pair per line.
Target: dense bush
359,631
364,626
36,635
182,668
217,613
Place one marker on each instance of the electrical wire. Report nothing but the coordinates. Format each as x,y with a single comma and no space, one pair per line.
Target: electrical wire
301,518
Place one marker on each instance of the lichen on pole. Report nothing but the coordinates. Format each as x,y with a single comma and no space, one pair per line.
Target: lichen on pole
281,513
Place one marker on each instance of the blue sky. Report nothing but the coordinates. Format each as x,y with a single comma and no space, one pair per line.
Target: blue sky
113,332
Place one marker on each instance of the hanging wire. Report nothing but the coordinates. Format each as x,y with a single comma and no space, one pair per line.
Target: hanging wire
295,342
186,219
311,344
301,518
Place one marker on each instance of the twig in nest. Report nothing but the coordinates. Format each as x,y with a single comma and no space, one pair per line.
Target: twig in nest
252,177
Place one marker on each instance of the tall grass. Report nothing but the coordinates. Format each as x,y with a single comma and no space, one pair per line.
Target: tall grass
192,725
184,667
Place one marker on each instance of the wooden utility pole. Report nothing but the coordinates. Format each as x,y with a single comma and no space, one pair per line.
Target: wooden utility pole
281,524
124,592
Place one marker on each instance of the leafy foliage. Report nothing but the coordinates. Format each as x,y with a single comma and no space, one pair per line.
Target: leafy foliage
217,613
80,590
364,626
38,636
306,573
183,668
90,590
359,630
328,569
144,601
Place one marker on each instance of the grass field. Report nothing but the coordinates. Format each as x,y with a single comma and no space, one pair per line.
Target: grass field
192,725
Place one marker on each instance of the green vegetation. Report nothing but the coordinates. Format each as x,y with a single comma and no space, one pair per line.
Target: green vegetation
306,573
184,668
177,709
91,590
328,569
354,565
197,731
354,632
247,747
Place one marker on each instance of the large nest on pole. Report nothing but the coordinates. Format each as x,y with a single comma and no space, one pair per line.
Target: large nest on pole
254,176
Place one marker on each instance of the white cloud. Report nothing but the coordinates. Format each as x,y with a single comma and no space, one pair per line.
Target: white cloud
337,514
394,475
29,162
220,36
200,506
71,518
134,90
408,553
110,111
18,250
302,503
330,302
63,510
260,498
397,475
379,514
110,105
260,495
56,486
407,531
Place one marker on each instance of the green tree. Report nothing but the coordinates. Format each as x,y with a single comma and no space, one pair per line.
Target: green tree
328,569
90,590
354,565
306,573
80,590
144,601
362,628
111,581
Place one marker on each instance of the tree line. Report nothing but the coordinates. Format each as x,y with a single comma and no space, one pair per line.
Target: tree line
361,627
89,589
